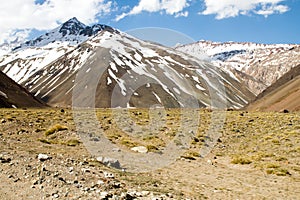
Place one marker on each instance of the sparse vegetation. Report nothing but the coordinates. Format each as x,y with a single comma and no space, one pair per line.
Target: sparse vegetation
262,143
54,129
73,142
243,160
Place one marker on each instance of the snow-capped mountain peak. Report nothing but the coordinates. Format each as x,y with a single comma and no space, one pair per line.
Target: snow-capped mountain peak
39,52
71,27
70,33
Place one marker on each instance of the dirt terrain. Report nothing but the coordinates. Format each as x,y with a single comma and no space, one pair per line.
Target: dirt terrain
256,157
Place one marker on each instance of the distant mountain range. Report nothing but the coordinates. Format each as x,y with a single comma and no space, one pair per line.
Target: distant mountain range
52,65
256,65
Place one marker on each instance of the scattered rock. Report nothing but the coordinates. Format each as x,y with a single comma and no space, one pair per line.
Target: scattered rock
43,157
100,182
108,175
71,169
104,195
16,180
95,139
4,160
85,170
110,162
116,150
140,149
128,196
285,111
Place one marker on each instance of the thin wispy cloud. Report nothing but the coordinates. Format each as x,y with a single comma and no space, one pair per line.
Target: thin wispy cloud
233,8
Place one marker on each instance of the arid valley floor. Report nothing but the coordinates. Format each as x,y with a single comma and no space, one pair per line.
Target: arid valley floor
256,157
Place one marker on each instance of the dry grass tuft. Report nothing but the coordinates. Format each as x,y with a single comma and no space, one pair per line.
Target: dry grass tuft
55,128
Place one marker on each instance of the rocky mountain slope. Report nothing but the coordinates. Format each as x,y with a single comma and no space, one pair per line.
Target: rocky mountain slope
257,65
283,94
13,95
114,69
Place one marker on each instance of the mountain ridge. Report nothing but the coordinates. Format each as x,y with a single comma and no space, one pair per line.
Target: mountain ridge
258,65
70,47
49,71
72,31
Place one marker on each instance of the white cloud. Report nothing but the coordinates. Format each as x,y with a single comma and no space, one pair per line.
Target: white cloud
232,8
171,7
182,14
25,14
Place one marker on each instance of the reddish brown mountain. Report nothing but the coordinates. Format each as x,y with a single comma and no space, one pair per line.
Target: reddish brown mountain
283,94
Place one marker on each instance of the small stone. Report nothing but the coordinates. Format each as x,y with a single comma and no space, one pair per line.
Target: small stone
140,149
100,182
103,195
16,180
110,162
145,193
129,197
4,160
286,111
36,182
117,185
3,121
43,157
55,195
169,195
71,169
95,139
116,150
85,170
108,175
62,179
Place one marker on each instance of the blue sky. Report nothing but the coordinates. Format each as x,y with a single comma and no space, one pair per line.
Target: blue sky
276,28
262,21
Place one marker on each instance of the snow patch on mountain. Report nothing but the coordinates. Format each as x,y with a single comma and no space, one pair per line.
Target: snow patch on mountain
3,94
